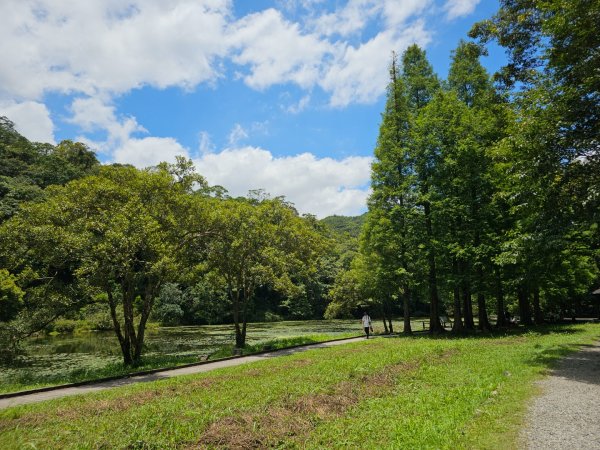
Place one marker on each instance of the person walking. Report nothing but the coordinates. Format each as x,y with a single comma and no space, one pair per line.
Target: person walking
366,323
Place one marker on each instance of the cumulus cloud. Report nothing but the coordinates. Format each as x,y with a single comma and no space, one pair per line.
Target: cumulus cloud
94,114
347,20
276,50
459,8
361,76
320,186
31,119
149,151
121,143
109,46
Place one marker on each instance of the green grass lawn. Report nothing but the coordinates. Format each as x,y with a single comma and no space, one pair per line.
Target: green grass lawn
396,392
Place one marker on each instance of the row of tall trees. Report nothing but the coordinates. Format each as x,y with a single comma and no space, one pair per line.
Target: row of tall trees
482,191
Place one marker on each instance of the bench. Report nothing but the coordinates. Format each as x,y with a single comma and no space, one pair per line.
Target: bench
445,321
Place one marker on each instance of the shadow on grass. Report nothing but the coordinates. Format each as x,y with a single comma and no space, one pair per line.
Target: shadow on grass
499,332
573,362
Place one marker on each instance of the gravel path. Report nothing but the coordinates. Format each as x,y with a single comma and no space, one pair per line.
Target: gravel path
205,367
567,414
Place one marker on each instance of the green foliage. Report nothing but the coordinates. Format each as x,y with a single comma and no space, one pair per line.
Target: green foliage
552,47
345,224
26,168
259,242
168,310
11,296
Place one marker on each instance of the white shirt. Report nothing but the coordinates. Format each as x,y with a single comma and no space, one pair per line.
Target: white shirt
366,320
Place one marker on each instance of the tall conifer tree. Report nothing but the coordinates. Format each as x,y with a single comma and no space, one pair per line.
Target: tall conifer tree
391,201
421,85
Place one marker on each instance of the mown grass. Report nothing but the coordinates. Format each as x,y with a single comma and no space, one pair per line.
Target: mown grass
383,393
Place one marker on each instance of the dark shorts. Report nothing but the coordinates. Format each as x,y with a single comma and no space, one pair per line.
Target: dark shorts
367,331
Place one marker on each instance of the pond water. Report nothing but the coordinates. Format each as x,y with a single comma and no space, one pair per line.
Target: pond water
185,340
70,357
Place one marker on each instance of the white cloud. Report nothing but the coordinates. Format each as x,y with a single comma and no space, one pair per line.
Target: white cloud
237,134
277,51
94,114
120,144
397,12
149,151
354,16
109,46
459,8
322,186
361,75
298,107
205,144
349,19
31,119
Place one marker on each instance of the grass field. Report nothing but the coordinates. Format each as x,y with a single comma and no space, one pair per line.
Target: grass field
383,393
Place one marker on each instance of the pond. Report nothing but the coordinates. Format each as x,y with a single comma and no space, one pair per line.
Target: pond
71,357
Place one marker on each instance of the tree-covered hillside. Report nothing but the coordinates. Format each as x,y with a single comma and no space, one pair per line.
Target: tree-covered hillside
345,224
26,168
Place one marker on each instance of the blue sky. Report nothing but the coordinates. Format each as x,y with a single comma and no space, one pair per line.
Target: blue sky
280,95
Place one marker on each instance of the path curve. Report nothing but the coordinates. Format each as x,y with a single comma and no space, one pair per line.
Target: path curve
100,386
567,414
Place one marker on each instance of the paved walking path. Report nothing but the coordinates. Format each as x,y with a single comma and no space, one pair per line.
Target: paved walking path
567,414
76,390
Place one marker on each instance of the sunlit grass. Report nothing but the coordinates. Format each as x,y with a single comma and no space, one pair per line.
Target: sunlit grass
396,392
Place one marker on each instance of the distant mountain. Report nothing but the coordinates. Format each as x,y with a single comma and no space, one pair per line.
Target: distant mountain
345,224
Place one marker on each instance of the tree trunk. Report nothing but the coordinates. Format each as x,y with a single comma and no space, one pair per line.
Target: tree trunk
501,317
537,310
385,327
235,300
387,306
435,327
457,326
524,310
484,323
240,338
125,350
382,312
406,308
128,293
148,301
467,305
